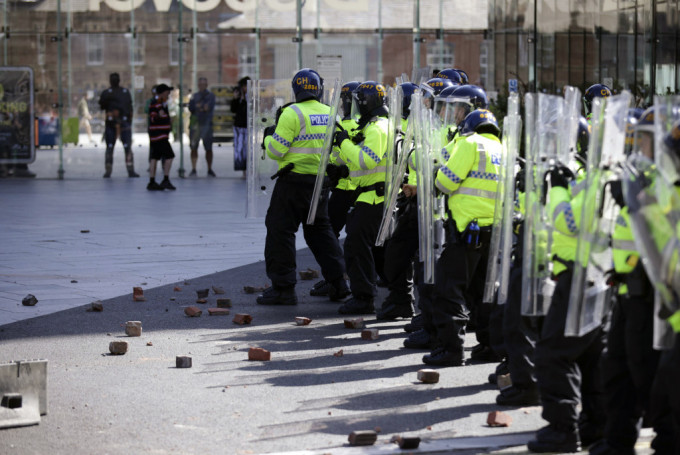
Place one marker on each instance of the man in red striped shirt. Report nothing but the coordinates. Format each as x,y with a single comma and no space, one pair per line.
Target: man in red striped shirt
159,143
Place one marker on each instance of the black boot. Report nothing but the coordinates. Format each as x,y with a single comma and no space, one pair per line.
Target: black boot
320,289
518,396
392,310
442,358
338,290
552,439
278,296
420,339
357,306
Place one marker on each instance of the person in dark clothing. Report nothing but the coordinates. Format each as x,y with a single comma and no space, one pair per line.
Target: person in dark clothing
159,139
239,107
116,101
201,106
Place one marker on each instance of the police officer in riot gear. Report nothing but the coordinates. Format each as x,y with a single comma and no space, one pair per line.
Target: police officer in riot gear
366,161
116,102
470,180
594,91
296,142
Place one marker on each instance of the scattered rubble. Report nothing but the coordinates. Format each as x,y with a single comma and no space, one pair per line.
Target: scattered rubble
407,442
218,290
138,294
362,438
428,376
223,303
370,334
357,323
340,353
498,419
299,320
183,361
84,231
149,343
259,354
96,307
242,319
192,311
177,289
133,328
29,300
309,274
253,289
202,293
118,347
218,311
201,300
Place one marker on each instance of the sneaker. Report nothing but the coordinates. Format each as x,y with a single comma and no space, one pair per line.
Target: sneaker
419,339
550,439
516,396
357,306
166,185
153,186
338,290
192,173
442,358
391,311
274,296
320,289
211,173
416,324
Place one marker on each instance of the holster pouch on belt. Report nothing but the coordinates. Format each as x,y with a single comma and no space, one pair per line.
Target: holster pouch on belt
451,231
471,236
379,189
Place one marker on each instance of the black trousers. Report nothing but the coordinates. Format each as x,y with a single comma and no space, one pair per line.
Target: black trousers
362,227
629,366
459,279
288,209
665,402
400,253
519,337
568,369
338,207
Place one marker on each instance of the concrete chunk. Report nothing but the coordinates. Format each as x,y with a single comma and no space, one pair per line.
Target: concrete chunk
357,323
218,290
201,300
362,438
202,293
96,307
118,347
428,376
133,328
223,303
259,354
192,311
183,361
302,320
138,294
242,319
29,300
218,311
370,334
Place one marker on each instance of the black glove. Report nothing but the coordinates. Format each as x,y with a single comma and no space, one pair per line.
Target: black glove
560,176
617,192
335,172
359,138
269,131
339,137
520,181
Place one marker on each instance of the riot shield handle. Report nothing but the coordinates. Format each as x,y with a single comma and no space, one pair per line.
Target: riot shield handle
285,170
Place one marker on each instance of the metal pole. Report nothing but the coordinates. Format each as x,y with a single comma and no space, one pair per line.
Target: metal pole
319,47
4,28
194,50
133,37
257,39
68,56
180,40
380,44
416,36
441,35
298,37
60,96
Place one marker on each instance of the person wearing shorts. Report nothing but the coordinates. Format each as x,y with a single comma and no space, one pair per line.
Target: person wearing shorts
159,139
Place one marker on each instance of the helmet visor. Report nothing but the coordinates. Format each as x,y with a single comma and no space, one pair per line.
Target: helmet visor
456,110
643,141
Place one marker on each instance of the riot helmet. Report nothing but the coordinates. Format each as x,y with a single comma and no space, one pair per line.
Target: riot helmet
459,102
346,98
368,100
432,88
307,84
594,91
452,75
480,121
408,89
463,75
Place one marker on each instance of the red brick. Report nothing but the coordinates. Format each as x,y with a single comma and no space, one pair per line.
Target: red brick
133,328
202,293
340,353
498,419
259,354
177,289
192,311
309,274
242,319
428,376
138,294
302,320
218,311
201,301
223,303
217,290
370,334
118,347
357,323
252,289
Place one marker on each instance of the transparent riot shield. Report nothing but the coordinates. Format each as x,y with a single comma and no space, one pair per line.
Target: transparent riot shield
396,165
325,152
498,269
542,128
664,336
568,124
655,231
264,98
420,75
667,114
598,216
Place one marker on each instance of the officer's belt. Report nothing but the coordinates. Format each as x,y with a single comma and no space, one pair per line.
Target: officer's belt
300,179
379,189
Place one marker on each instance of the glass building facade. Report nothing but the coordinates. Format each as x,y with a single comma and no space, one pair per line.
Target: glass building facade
547,44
